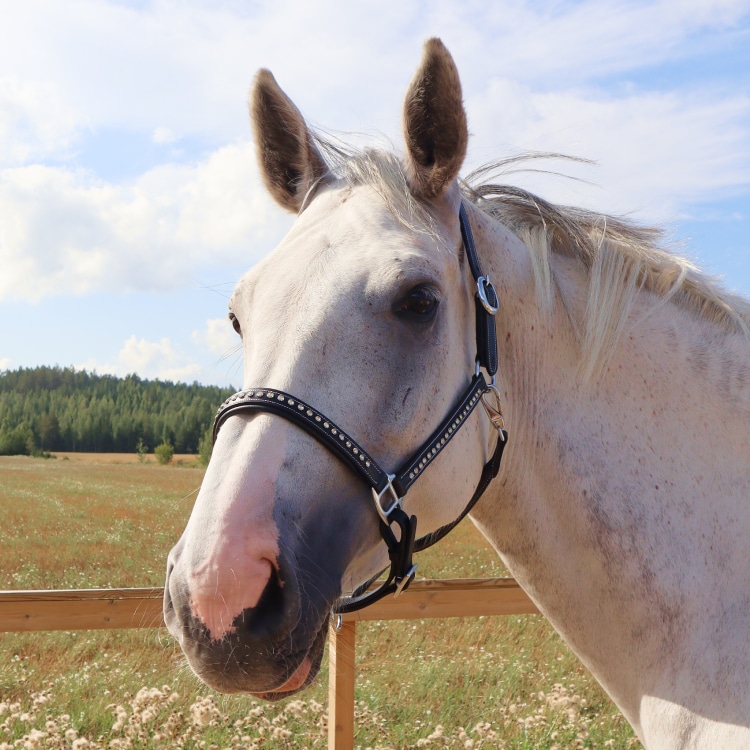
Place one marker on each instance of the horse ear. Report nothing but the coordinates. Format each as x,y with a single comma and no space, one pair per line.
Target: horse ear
434,123
289,160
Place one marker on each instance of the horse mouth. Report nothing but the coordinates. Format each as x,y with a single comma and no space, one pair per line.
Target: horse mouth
305,673
296,682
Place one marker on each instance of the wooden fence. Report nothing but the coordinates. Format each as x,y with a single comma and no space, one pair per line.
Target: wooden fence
93,609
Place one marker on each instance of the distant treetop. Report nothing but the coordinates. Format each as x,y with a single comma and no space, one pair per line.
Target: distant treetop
64,409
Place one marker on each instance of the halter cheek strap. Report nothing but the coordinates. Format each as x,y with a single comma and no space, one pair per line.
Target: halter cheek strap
389,489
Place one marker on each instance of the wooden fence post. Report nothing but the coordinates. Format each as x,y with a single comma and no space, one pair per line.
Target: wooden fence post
341,660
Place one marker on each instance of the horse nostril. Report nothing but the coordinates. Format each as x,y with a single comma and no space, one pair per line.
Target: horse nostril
267,616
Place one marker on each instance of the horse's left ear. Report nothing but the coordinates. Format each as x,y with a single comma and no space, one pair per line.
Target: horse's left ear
434,123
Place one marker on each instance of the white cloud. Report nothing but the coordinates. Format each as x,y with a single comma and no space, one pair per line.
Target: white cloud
217,336
158,358
534,75
648,88
187,70
150,359
35,120
569,43
163,135
63,230
5,363
658,153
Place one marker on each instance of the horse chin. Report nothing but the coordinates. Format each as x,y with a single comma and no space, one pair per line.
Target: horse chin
296,672
304,675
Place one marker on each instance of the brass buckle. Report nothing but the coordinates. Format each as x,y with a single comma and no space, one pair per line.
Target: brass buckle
495,413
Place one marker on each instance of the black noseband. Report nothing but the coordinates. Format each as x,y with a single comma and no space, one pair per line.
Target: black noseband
389,489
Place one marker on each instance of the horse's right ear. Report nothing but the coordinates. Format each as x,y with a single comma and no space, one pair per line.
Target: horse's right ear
435,126
289,160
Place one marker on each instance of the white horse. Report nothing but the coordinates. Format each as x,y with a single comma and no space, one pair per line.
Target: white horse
622,505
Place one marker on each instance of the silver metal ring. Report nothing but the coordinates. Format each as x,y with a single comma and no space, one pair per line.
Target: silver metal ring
484,284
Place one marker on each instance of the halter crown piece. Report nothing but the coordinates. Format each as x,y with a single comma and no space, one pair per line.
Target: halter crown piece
388,490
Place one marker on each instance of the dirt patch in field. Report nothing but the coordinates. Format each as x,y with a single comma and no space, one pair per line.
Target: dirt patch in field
122,458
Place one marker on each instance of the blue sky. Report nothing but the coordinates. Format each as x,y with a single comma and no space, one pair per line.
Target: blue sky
130,202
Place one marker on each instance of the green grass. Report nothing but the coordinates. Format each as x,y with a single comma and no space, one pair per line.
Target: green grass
500,682
71,524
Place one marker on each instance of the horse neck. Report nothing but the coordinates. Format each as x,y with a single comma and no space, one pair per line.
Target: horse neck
620,498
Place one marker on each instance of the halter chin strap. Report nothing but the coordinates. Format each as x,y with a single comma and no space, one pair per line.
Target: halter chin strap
388,490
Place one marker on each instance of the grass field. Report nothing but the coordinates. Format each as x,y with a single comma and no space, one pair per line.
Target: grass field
503,682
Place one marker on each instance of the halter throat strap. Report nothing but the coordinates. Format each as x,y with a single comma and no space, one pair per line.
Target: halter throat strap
389,489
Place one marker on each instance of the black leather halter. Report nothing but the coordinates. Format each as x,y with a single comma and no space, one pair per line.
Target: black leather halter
389,489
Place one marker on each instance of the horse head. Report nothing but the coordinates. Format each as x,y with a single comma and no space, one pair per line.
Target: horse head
366,312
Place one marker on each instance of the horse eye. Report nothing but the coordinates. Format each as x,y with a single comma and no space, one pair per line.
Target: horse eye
420,304
235,323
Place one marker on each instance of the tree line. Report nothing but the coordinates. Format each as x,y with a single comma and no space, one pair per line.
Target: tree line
46,409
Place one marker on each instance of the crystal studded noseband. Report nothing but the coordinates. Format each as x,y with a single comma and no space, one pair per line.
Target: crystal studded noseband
389,489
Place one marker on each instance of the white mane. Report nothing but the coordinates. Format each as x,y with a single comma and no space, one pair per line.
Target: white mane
621,257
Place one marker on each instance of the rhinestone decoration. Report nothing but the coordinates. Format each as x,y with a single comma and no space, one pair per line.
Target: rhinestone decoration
287,400
420,462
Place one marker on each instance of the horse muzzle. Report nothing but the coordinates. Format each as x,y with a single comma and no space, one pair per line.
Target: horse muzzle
272,649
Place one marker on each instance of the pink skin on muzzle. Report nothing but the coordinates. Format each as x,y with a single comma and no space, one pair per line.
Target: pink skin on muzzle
231,544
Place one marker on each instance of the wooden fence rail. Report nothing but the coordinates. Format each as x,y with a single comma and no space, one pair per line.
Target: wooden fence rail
95,609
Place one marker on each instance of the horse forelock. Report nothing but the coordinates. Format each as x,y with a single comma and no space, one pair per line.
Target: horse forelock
621,258
384,172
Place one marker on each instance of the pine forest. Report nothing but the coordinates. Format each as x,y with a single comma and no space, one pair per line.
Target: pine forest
45,409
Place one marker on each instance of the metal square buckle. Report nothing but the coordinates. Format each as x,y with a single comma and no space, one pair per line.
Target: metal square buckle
383,512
